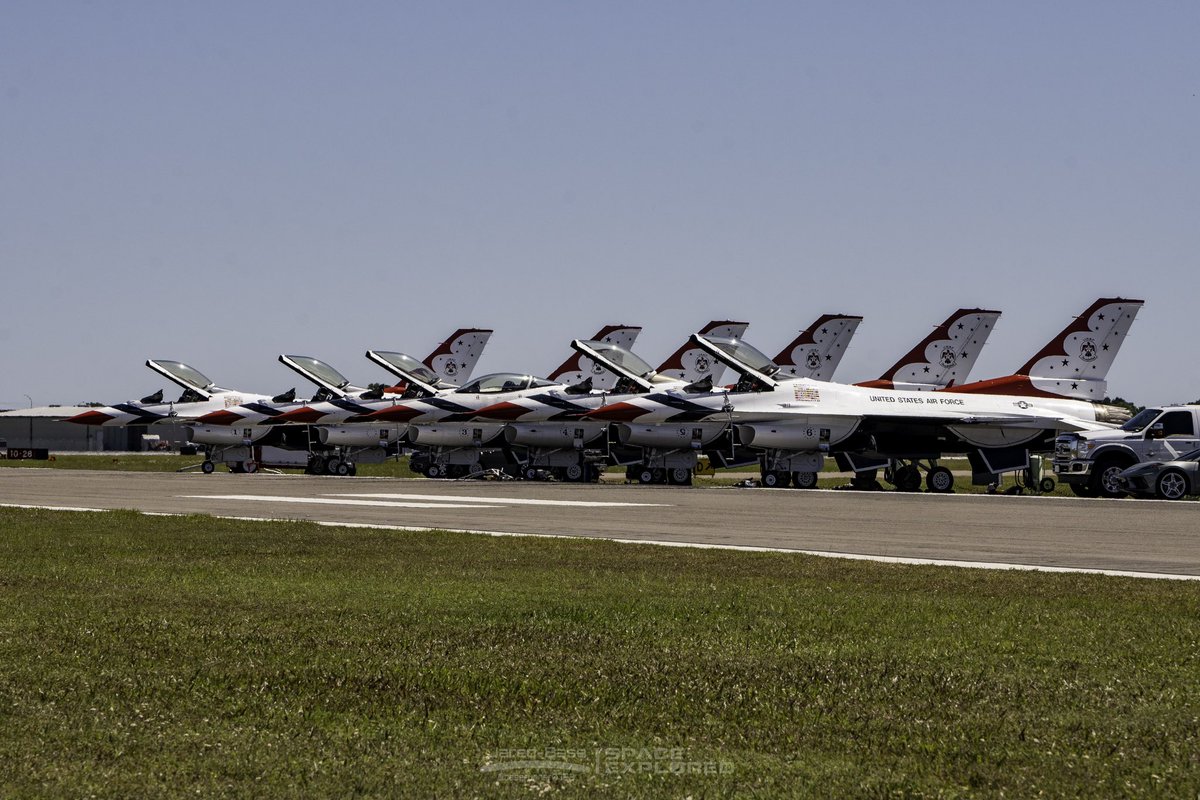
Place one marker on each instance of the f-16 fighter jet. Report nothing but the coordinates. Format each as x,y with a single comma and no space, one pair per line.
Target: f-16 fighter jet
997,423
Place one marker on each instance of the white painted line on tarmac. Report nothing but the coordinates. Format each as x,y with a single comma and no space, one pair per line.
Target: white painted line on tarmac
515,501
325,501
936,562
52,508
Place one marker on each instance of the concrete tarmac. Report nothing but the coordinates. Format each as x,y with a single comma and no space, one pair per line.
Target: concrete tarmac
1041,532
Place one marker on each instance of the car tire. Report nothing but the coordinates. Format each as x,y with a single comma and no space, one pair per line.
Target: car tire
1171,484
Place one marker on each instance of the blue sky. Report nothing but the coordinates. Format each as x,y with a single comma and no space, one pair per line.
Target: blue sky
223,182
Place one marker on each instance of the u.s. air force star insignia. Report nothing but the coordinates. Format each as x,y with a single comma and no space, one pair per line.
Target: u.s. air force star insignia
1021,404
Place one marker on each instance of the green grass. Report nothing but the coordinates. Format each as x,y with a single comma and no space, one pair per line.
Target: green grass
150,656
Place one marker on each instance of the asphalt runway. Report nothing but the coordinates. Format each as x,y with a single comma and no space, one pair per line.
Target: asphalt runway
1152,538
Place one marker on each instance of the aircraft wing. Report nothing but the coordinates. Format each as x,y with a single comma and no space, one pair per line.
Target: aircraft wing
1043,422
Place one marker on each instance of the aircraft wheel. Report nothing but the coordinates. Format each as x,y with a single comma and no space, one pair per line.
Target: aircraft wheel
1171,485
531,474
679,477
907,478
434,471
1082,489
660,476
593,473
1046,485
773,479
646,476
331,465
865,481
574,473
250,467
207,467
804,480
342,468
238,467
940,480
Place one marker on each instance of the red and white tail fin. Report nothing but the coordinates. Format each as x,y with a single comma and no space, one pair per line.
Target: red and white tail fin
690,363
454,359
945,357
1074,363
818,350
579,367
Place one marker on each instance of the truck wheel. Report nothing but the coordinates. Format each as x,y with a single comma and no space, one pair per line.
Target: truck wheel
804,480
1171,485
207,467
646,476
574,473
343,468
1047,485
331,466
1104,479
940,480
434,471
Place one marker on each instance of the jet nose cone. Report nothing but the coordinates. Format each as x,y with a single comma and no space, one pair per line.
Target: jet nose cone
617,412
302,415
222,417
396,413
91,418
506,412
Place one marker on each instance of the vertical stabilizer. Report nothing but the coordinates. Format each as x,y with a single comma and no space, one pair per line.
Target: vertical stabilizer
1074,363
818,350
579,367
945,357
455,358
690,363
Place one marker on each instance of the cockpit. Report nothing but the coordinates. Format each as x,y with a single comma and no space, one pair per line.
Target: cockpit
318,370
182,374
407,367
739,352
504,382
750,362
624,360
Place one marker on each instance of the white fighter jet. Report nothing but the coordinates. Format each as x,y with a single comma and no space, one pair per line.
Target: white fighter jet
455,357
200,396
997,423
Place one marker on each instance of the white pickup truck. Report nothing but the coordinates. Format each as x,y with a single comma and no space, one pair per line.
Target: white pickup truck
1090,461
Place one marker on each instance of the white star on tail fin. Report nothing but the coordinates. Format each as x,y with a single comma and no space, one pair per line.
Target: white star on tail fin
818,350
454,359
